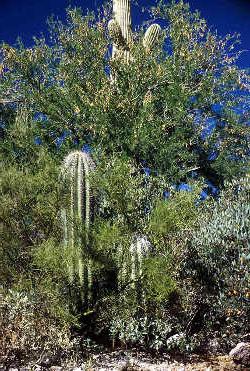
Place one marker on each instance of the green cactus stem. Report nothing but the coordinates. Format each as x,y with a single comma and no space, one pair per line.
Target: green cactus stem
76,169
151,36
150,40
122,15
120,31
130,263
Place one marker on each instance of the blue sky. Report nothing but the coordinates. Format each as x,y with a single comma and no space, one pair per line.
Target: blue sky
26,18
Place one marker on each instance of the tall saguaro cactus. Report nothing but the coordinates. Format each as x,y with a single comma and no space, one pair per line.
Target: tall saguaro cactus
120,29
121,32
76,169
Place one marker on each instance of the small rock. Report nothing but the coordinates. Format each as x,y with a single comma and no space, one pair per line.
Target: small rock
56,368
214,345
241,354
48,360
246,337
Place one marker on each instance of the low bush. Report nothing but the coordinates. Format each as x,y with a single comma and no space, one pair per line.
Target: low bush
216,267
28,330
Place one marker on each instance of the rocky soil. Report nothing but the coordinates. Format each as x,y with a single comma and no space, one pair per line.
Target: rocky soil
136,361
140,362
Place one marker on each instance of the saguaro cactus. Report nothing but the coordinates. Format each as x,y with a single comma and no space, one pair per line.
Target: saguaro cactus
121,32
76,169
130,270
151,36
120,29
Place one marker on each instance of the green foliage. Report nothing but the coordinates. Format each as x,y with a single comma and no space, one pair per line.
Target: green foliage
222,240
173,215
28,214
107,239
217,261
27,329
159,281
141,330
61,81
121,184
55,260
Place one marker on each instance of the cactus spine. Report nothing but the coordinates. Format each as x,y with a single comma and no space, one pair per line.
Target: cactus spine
76,169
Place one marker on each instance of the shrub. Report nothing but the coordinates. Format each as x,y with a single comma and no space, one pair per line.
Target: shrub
27,328
218,263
